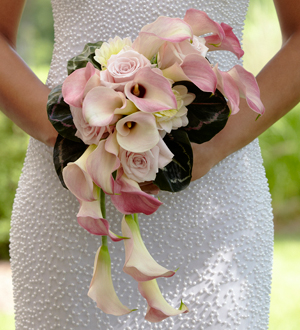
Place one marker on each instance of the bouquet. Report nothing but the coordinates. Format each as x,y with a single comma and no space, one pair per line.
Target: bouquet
127,113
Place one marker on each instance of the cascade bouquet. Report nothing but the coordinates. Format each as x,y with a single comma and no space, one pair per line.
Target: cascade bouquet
126,114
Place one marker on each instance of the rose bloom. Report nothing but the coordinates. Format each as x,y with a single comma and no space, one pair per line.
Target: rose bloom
122,68
142,166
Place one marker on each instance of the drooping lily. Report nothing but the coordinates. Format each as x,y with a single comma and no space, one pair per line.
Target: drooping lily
138,261
103,162
153,36
237,83
129,198
158,308
137,132
194,68
78,83
101,288
150,91
77,178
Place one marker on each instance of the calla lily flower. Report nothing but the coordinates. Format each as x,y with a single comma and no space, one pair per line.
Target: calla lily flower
165,154
138,261
102,163
74,86
129,198
158,308
137,132
101,288
237,83
91,219
99,106
78,180
150,91
230,42
194,68
153,36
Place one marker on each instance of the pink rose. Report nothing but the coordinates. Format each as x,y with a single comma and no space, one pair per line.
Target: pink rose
88,134
122,68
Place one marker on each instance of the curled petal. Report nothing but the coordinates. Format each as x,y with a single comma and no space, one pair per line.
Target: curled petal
202,24
101,164
91,219
99,106
195,68
248,88
155,91
165,155
158,308
138,261
229,42
78,180
131,199
137,132
101,288
152,36
74,85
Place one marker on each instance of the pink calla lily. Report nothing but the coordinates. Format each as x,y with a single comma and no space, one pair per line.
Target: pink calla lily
138,261
101,288
165,154
102,163
152,36
230,42
99,106
129,198
137,132
194,68
150,92
238,82
91,219
74,85
201,24
78,180
158,308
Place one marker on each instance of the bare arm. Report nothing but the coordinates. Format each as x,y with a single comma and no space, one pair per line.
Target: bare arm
23,96
279,83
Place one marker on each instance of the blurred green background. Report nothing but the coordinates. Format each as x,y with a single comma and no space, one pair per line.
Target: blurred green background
280,149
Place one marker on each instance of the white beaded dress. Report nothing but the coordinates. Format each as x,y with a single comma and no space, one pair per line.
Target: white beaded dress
218,231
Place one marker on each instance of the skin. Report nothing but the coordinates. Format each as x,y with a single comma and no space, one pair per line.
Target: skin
23,97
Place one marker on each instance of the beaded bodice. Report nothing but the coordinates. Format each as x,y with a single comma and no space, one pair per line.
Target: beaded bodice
78,22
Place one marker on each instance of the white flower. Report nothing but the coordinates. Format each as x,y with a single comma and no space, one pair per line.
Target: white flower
112,47
199,44
172,119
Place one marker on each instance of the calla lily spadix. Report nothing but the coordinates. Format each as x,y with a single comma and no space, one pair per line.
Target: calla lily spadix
83,187
194,68
129,198
150,91
74,85
101,288
99,106
153,35
158,308
102,163
138,261
137,132
91,219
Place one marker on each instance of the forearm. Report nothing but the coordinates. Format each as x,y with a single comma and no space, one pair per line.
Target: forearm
23,97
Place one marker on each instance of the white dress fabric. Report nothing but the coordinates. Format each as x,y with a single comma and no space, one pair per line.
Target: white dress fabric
218,231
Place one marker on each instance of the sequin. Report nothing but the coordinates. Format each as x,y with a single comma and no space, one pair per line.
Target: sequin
219,231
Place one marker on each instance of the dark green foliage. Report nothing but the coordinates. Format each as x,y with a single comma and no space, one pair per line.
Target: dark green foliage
176,176
87,55
60,115
207,115
66,151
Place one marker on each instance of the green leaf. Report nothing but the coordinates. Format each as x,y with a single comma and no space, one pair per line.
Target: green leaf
87,55
66,151
207,115
60,115
177,175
